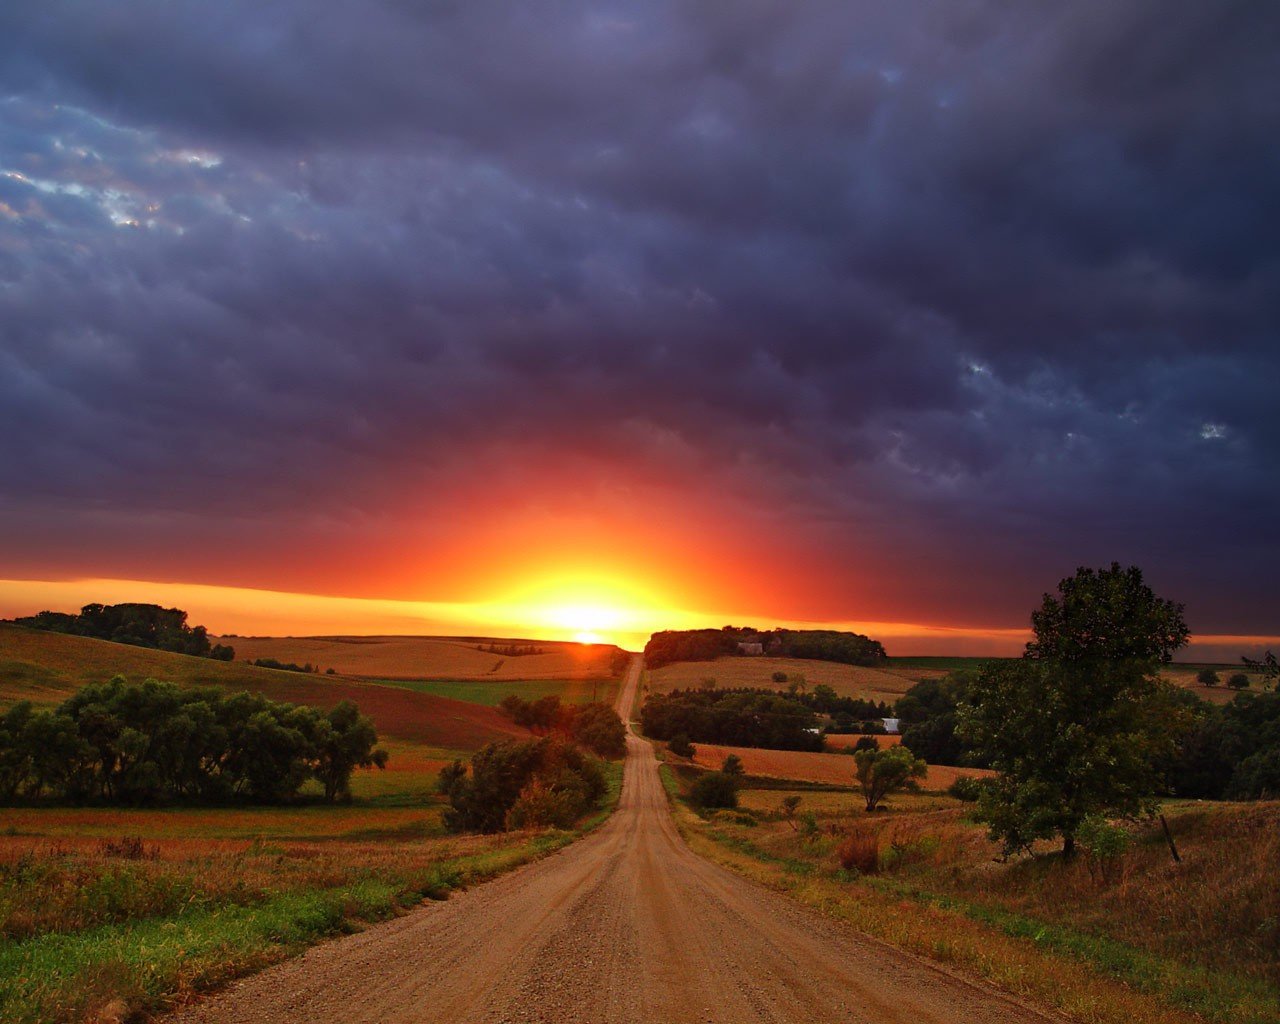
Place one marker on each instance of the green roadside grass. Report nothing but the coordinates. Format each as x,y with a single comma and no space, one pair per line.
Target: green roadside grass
146,965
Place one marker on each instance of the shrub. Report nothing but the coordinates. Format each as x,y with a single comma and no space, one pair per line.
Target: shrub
866,743
1238,681
1207,677
568,784
733,766
966,788
714,789
680,746
779,677
859,851
598,728
881,772
1104,844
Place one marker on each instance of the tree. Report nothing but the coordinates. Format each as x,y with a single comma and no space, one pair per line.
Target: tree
733,766
1207,677
882,772
1069,741
598,728
1106,615
1238,681
344,741
680,746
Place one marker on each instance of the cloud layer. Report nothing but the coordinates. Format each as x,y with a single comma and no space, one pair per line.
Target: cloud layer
884,310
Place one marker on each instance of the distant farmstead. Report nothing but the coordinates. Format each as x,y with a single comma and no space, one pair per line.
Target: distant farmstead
750,647
890,725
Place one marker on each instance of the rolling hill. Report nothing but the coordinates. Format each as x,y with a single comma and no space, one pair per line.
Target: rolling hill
46,667
421,657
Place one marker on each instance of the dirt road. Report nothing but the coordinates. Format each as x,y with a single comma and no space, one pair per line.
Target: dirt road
625,925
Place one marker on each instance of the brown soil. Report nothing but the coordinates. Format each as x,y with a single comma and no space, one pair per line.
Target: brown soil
626,925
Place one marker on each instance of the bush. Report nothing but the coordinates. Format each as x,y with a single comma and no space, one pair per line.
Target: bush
859,851
866,743
732,766
714,789
779,677
680,746
1207,677
966,788
1238,681
552,782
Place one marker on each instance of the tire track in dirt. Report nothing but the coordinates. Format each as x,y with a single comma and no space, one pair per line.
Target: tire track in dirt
626,925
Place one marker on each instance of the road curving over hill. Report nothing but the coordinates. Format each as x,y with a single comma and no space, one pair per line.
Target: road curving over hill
627,925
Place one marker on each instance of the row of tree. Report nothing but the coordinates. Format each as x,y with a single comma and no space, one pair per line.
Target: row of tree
595,726
153,742
140,625
741,718
674,645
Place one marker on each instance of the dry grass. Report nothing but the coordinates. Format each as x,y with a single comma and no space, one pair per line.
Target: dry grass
803,766
1143,940
842,741
416,657
879,684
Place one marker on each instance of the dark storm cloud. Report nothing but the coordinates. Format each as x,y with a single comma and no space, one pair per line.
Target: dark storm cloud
961,278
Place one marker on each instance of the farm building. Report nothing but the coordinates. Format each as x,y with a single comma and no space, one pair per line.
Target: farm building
750,647
890,725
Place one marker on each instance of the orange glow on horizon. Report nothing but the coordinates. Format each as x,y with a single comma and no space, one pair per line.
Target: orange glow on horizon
579,608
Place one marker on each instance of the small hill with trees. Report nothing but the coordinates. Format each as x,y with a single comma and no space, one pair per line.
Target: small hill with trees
670,646
139,625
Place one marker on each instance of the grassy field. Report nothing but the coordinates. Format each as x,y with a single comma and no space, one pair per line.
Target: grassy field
48,667
1141,940
879,684
417,657
110,912
140,910
490,693
803,766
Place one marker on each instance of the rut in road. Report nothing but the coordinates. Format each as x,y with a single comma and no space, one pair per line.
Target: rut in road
625,925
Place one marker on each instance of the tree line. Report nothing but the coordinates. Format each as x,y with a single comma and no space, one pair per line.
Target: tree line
124,743
139,625
735,717
667,646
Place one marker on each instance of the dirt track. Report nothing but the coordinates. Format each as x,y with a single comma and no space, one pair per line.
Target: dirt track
626,925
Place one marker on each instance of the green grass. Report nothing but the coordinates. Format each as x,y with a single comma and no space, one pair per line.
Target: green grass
150,963
491,692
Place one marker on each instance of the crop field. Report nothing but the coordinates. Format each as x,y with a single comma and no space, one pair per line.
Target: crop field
490,692
48,667
416,657
1137,938
840,740
887,683
806,766
879,684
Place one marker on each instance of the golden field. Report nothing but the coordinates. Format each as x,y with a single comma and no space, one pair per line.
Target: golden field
730,672
417,657
807,766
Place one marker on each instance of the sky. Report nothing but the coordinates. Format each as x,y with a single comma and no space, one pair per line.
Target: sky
846,312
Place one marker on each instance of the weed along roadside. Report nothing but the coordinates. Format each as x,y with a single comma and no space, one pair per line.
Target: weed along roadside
1114,951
